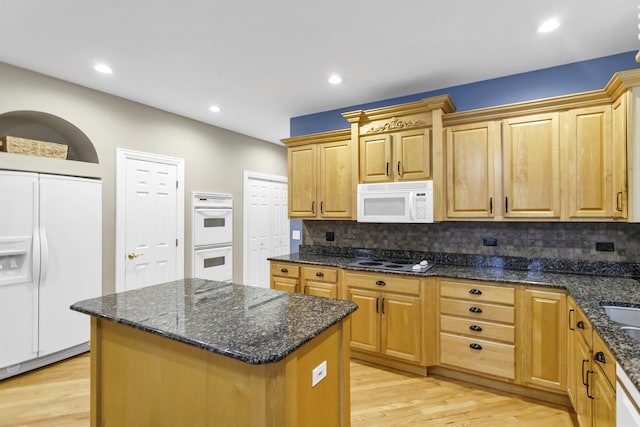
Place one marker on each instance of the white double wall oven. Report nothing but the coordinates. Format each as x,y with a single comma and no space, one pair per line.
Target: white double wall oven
213,236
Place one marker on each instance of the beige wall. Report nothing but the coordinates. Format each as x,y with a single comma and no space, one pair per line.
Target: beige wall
215,158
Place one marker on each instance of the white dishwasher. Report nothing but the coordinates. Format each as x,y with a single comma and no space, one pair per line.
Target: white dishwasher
213,236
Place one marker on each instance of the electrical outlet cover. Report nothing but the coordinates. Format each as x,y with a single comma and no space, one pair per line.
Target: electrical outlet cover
318,373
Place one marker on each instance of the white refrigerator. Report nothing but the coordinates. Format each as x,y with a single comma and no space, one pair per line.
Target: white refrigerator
50,257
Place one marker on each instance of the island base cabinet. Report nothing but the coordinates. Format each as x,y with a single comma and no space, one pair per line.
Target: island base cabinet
142,379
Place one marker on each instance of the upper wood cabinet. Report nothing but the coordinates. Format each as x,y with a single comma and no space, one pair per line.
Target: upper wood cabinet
398,156
321,184
619,141
587,162
472,167
531,166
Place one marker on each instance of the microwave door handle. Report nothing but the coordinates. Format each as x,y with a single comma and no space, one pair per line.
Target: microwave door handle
412,205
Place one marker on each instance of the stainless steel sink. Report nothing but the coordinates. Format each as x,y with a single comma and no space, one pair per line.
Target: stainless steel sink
625,316
632,331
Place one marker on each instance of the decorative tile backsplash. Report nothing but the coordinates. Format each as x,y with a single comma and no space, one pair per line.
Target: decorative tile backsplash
570,241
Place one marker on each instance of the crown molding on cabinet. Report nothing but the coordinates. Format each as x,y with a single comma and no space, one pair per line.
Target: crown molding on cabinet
317,138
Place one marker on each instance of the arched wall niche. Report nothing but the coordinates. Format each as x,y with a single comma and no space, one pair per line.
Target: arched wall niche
47,127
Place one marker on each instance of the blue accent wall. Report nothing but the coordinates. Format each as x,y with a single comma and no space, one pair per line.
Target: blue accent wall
294,245
561,80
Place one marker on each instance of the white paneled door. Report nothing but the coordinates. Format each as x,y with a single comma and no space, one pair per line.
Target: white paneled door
153,222
266,225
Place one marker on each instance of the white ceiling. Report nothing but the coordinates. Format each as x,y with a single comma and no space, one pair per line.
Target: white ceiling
264,62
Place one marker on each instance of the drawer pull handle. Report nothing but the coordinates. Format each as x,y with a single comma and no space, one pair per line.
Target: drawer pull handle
320,274
284,270
380,283
475,346
475,310
585,381
475,328
475,292
580,324
600,357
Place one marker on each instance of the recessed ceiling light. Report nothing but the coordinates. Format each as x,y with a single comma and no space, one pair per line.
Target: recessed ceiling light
214,109
103,68
548,25
335,79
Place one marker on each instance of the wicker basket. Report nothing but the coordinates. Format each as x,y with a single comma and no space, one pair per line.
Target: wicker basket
32,147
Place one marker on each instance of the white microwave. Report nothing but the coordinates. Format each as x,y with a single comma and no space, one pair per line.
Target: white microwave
402,202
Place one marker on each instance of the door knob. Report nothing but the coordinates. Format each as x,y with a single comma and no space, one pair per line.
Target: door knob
132,255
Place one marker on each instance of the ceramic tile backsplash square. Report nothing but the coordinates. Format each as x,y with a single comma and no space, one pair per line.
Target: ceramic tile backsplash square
571,241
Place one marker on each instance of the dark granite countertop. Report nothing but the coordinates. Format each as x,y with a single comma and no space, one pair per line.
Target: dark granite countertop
590,292
254,325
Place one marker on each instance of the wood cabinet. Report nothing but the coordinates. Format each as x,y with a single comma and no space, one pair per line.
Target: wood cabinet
531,166
545,333
320,281
592,370
477,327
285,276
619,141
388,321
473,170
397,156
587,162
320,169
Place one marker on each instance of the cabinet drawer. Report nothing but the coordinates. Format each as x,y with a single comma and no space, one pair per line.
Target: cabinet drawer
603,357
284,269
477,292
320,274
487,358
477,310
478,328
384,282
583,326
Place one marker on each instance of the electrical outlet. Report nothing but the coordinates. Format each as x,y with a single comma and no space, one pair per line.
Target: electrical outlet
331,236
318,373
488,241
604,246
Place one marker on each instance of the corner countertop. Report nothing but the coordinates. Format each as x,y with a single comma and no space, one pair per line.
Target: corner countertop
254,325
590,293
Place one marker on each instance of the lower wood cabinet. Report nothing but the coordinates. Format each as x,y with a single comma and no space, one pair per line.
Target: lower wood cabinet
545,343
285,276
592,373
320,281
389,316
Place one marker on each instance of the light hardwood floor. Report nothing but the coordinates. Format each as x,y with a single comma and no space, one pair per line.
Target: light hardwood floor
59,396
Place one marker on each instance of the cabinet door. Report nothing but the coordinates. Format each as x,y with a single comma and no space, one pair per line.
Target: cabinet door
284,284
327,290
401,327
302,182
375,159
604,400
619,141
588,148
335,191
365,321
583,401
572,367
545,339
471,170
531,166
412,154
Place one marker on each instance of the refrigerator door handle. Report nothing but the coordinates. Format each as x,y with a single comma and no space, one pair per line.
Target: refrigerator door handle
35,265
44,246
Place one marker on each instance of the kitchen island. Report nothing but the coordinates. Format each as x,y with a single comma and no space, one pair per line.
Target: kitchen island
203,353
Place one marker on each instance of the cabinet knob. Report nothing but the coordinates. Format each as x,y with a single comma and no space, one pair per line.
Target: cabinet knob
475,328
380,283
475,310
599,357
475,292
320,274
475,346
284,270
580,324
